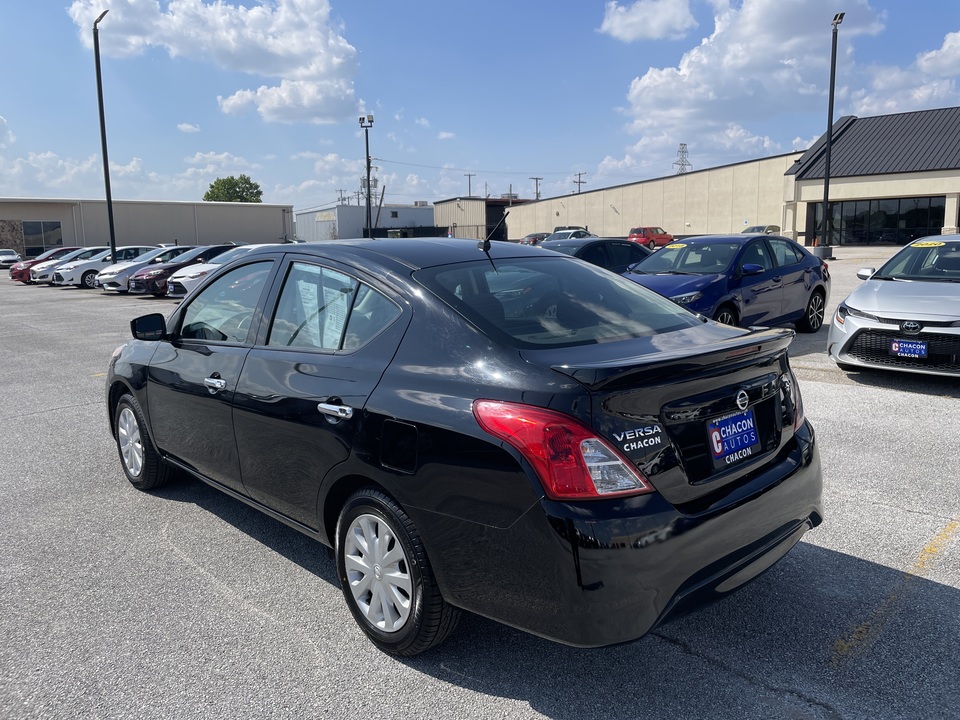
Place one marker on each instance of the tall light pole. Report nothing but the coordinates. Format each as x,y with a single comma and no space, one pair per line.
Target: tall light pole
827,214
103,139
366,122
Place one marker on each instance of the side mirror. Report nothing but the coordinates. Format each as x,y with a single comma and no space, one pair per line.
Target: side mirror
752,269
149,327
866,273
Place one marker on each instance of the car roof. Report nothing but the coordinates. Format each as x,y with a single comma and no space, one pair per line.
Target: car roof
413,253
708,239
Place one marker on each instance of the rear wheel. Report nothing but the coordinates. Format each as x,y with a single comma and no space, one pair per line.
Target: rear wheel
812,318
652,245
141,462
88,279
727,315
386,577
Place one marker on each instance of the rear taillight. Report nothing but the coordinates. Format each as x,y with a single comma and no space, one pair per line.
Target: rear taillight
793,398
568,457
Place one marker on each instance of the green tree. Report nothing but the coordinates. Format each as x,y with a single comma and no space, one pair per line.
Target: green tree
234,189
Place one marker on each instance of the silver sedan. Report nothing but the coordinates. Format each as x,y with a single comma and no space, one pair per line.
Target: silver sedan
906,315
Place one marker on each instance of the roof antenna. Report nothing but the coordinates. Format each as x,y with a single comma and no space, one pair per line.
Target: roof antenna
485,244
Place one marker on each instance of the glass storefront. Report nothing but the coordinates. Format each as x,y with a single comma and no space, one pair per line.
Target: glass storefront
889,221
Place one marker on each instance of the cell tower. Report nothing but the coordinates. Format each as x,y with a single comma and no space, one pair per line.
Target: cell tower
682,164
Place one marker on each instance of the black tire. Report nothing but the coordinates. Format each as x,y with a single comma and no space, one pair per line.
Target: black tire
88,280
812,319
727,314
652,245
141,462
372,528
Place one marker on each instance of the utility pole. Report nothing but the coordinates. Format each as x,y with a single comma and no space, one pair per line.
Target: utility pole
536,182
579,181
341,196
469,177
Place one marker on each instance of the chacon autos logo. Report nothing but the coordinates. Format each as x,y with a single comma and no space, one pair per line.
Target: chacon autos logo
911,327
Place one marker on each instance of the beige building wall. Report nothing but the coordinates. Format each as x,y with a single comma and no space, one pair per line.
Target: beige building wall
713,201
85,222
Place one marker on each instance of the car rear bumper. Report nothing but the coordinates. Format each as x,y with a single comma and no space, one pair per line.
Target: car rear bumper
607,572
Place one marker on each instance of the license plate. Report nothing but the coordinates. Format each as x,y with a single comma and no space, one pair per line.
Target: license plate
733,438
908,348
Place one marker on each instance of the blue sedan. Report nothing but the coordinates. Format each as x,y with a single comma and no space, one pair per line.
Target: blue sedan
740,279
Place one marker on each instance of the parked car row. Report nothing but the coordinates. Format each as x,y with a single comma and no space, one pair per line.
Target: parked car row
139,268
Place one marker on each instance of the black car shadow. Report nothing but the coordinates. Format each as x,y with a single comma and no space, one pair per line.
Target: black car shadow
821,635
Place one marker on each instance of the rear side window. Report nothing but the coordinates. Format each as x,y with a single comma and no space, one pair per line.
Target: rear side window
785,253
552,302
324,309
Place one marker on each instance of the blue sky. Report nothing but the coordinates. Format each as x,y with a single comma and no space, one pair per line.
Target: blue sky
465,96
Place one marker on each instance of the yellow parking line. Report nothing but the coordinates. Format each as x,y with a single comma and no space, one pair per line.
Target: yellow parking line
862,636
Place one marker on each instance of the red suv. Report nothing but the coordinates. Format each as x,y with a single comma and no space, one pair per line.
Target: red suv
650,236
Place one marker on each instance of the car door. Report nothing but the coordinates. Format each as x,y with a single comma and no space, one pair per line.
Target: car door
192,378
761,293
300,403
797,280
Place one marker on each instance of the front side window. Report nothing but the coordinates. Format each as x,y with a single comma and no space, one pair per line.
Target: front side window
222,311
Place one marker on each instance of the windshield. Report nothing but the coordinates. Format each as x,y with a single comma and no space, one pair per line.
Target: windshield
690,258
552,302
925,259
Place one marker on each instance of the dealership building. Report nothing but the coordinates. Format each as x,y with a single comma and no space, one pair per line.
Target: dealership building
892,178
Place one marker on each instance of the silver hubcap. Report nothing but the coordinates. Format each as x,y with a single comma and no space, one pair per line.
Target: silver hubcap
378,573
88,279
815,312
131,445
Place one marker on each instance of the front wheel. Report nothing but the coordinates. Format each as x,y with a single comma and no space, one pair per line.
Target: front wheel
727,315
386,577
141,462
652,245
812,318
89,279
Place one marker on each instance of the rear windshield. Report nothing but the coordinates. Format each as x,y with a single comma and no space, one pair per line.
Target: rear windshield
552,302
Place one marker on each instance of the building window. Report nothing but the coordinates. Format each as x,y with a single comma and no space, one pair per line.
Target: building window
394,214
887,221
40,236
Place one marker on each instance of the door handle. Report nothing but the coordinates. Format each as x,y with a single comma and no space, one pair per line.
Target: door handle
214,384
344,412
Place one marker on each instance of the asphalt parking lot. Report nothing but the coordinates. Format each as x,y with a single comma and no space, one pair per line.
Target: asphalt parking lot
185,603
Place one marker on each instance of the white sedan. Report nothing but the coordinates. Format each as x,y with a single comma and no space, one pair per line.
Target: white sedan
115,277
83,273
186,279
43,272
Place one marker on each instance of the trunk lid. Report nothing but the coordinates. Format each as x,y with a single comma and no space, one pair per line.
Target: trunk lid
694,413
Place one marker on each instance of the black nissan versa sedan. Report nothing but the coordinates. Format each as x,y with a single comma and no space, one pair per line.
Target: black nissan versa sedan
481,428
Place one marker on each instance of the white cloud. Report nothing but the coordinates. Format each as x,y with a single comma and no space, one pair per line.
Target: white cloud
763,59
945,61
188,128
6,135
647,20
444,135
290,40
422,122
